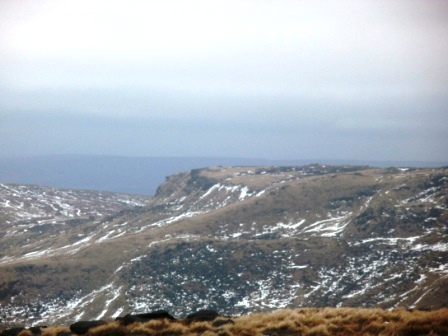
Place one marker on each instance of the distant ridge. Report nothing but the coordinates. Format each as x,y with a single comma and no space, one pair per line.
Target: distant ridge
138,175
236,240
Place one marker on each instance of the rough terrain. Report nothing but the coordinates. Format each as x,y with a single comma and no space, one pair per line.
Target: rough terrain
239,240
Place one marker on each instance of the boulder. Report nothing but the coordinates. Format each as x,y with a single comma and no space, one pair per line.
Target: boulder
37,330
129,319
156,315
203,315
82,327
12,331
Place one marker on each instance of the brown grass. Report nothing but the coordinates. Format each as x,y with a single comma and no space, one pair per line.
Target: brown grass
158,327
25,333
306,321
54,331
288,322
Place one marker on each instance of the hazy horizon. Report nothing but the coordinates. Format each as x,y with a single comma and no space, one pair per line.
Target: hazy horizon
275,80
140,175
267,160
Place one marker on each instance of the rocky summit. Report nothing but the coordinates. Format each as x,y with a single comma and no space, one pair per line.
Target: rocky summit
233,239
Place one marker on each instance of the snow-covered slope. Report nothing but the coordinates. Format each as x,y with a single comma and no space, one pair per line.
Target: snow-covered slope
40,221
236,239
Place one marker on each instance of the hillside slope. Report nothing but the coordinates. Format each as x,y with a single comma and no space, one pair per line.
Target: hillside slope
239,240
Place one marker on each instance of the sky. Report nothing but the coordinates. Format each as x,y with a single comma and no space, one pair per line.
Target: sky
273,79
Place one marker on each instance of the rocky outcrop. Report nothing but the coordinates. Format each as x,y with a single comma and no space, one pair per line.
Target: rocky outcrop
202,315
16,331
83,327
157,315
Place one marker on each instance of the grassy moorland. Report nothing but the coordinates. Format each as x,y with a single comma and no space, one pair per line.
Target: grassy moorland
306,321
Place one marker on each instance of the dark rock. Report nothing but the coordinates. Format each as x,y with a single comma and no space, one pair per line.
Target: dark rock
156,315
219,323
129,319
37,330
12,331
82,327
203,315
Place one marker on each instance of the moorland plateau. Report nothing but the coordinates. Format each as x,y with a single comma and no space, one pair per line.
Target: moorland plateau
240,240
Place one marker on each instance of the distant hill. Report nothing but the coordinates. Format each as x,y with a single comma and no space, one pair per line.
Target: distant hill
135,175
234,239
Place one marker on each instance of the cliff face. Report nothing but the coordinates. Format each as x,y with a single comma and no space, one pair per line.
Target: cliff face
238,240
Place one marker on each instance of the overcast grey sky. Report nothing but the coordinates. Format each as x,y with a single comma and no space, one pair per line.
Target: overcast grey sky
272,79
